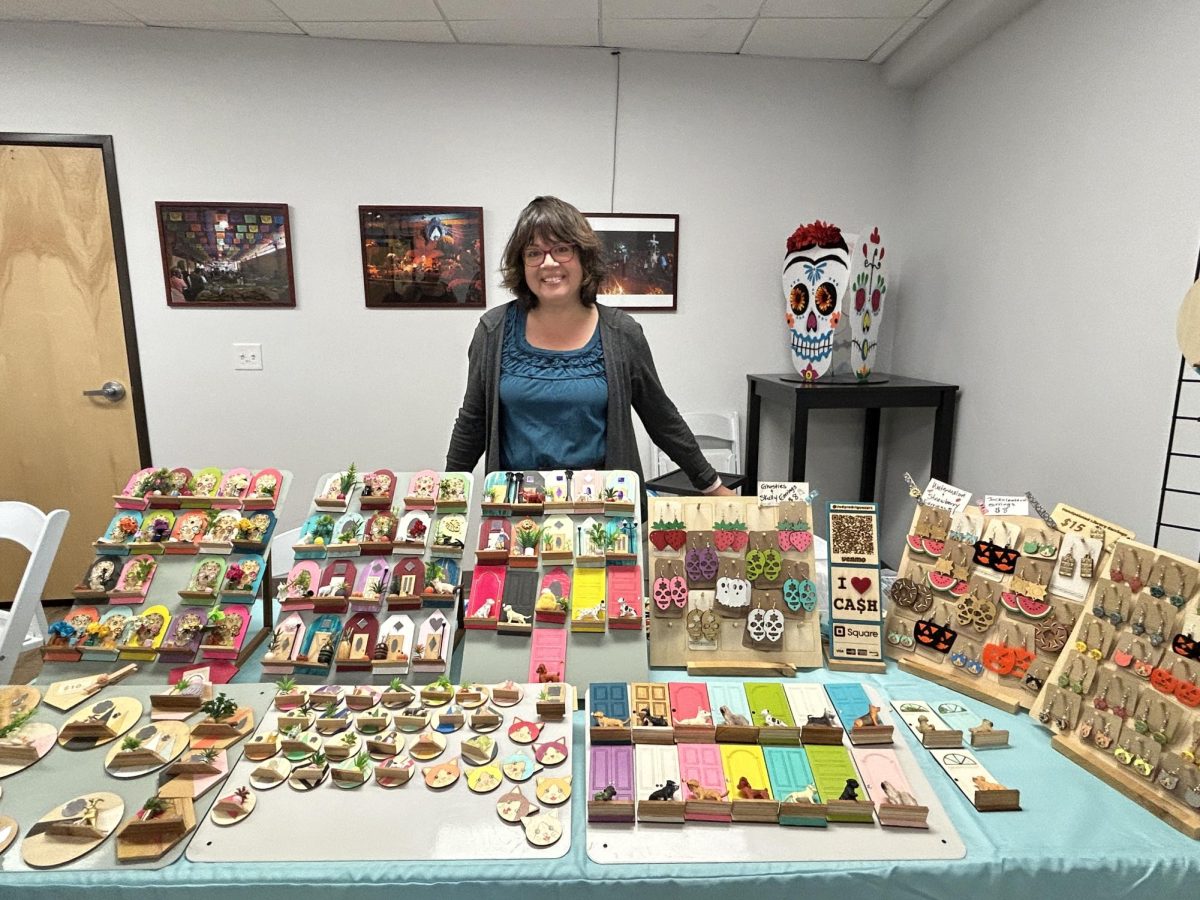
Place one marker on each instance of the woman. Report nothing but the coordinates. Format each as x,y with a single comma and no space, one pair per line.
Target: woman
552,375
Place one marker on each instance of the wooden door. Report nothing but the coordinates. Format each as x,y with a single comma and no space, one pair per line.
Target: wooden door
612,765
67,323
789,770
703,763
610,698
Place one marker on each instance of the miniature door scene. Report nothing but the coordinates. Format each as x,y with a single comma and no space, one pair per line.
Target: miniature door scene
556,551
732,582
987,604
374,588
179,566
468,755
728,752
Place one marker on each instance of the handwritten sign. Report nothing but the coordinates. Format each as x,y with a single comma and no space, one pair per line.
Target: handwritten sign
940,495
1001,505
1072,520
773,493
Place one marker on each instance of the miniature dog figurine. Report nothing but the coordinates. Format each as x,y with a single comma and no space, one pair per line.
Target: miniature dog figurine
984,727
485,609
603,721
512,617
897,797
982,784
591,612
649,720
850,791
627,611
746,792
545,676
732,718
607,794
924,726
702,717
808,795
869,720
825,718
700,792
769,720
666,792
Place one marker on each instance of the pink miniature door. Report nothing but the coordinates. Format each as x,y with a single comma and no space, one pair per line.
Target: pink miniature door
702,763
548,656
689,701
127,498
880,770
301,586
429,651
487,587
264,489
612,765
624,596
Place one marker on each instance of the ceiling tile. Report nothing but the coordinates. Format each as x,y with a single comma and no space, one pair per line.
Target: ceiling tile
63,11
543,32
360,10
889,47
681,9
841,9
455,10
202,10
688,35
820,38
419,32
284,27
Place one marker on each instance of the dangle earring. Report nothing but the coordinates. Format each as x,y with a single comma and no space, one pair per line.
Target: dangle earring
1086,564
1116,571
1136,583
1066,565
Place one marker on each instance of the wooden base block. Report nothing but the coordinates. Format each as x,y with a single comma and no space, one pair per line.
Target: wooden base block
18,754
982,740
178,702
736,667
854,665
852,811
827,735
873,735
600,735
942,739
812,815
85,729
754,811
660,810
786,736
611,811
974,688
739,734
139,840
1133,786
708,810
1008,800
652,734
131,759
903,816
695,734
551,710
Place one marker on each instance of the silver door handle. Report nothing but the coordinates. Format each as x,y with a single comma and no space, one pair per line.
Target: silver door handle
110,390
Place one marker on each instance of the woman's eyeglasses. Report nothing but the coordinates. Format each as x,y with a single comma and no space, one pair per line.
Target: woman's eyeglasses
562,253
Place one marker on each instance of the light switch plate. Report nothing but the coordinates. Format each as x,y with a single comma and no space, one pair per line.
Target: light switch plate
247,356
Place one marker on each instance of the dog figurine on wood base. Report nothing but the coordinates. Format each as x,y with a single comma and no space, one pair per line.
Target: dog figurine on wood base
700,792
666,792
603,721
746,792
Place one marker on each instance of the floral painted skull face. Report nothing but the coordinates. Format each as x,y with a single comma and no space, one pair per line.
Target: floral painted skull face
815,274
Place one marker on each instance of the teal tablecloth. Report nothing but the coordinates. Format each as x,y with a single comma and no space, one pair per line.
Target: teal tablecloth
1075,837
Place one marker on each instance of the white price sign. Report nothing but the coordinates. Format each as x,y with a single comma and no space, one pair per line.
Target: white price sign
940,495
998,505
773,493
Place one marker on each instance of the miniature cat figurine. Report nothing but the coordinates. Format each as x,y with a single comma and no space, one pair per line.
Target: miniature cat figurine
551,753
554,790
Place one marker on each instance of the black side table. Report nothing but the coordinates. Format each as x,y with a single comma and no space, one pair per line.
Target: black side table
896,391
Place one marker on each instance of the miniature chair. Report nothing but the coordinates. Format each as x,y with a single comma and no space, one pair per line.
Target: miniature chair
23,627
720,438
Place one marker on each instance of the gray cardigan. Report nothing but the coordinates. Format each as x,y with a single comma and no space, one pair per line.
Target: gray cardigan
632,382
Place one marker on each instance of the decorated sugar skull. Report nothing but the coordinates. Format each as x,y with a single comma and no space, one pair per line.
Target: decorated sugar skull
865,305
816,272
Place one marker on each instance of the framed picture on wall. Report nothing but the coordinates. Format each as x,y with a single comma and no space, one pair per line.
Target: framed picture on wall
226,255
422,257
641,253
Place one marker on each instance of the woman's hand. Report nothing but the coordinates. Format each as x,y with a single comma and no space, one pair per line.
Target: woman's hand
720,491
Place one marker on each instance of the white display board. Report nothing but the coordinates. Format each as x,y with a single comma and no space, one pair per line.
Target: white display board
374,823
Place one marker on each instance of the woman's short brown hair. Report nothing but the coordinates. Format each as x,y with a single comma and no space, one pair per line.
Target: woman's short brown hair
550,219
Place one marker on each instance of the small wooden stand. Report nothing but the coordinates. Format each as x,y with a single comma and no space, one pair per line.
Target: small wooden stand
485,719
671,811
397,699
845,665
827,735
754,810
1008,800
944,739
145,839
17,752
133,759
611,811
852,811
872,735
175,702
994,737
599,735
736,667
652,734
803,814
332,724
898,816
86,729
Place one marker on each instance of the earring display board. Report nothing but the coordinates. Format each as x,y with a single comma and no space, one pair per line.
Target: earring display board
985,603
733,586
855,604
558,586
1124,700
373,592
176,572
658,803
64,774
454,792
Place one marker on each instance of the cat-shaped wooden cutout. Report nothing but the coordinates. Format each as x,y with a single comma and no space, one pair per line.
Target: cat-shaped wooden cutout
514,806
442,775
542,829
551,753
554,791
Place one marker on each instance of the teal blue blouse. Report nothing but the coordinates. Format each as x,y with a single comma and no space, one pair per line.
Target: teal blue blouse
553,403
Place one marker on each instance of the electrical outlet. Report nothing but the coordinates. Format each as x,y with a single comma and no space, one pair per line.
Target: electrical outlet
247,356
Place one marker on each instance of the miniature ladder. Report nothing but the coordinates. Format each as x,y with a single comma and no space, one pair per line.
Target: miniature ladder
1188,375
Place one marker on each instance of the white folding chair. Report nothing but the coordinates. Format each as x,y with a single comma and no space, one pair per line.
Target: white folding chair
720,438
24,626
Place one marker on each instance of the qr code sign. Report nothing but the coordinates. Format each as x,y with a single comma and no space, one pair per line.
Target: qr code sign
852,538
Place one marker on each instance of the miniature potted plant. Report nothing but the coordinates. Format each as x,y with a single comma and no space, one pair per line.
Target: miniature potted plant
526,541
357,772
599,538
130,743
288,696
397,694
152,808
439,691
436,583
219,708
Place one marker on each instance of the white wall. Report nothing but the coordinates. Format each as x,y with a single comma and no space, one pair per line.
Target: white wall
1055,216
743,149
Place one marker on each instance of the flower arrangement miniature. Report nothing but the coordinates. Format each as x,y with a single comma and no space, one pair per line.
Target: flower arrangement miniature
122,530
137,573
154,530
451,489
60,633
416,530
301,584
204,579
266,487
240,576
224,527
339,486
235,484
